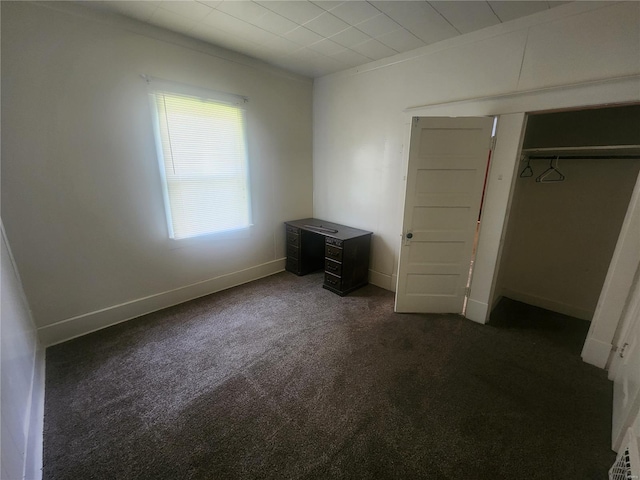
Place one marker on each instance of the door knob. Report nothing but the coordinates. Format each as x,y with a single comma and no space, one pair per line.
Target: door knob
409,235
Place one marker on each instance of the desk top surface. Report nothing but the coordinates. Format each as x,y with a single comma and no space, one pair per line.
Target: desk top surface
328,229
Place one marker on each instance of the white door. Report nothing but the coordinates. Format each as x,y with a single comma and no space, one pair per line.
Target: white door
626,384
447,165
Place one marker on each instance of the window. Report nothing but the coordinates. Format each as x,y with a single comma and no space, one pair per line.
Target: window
201,144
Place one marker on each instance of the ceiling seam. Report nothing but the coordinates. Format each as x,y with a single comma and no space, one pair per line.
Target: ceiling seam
401,26
494,12
445,18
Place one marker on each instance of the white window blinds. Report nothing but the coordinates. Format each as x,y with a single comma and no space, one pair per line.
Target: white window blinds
203,161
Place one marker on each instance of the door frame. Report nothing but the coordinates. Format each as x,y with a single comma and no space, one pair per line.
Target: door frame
511,108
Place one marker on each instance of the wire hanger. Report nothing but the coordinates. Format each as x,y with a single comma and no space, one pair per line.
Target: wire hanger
527,171
551,174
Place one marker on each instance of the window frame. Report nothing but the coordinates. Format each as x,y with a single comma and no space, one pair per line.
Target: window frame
155,86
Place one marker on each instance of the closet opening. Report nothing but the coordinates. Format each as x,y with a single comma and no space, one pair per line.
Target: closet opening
575,178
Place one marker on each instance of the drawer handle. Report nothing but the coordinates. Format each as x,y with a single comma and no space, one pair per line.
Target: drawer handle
331,281
333,254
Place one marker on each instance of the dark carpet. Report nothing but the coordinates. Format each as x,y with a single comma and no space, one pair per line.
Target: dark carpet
282,379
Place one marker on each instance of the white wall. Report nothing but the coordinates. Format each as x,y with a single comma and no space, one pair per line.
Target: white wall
361,115
561,236
81,196
22,379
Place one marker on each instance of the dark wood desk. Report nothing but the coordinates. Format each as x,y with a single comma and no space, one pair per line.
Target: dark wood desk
342,251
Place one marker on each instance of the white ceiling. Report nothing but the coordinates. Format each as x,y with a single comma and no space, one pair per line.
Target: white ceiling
315,38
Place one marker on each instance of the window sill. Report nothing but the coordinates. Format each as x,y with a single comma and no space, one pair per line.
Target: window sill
210,238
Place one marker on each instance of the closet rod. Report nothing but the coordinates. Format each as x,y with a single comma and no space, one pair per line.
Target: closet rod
583,147
582,157
590,150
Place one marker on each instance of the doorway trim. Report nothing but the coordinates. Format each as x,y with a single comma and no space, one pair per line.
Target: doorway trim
511,123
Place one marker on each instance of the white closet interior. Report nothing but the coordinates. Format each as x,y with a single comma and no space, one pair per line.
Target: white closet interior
575,181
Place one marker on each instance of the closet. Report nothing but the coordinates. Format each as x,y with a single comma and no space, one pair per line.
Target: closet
574,182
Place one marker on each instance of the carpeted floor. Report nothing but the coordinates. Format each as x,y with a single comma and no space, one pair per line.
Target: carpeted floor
281,379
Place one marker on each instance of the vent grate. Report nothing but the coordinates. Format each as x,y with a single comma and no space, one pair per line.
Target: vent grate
621,470
627,465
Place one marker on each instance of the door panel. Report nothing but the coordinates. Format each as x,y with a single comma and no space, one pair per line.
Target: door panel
446,171
436,252
432,284
445,181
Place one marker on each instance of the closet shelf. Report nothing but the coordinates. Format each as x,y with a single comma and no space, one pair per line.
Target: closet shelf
584,152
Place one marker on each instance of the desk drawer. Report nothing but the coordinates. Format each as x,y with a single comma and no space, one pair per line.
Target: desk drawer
293,238
293,265
333,252
332,267
332,281
293,251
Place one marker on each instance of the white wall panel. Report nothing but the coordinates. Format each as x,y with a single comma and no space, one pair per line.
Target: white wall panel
599,44
361,128
22,387
12,455
81,195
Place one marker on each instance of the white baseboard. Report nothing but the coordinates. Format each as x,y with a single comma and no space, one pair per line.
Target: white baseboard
477,311
35,433
596,352
548,304
382,280
82,324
